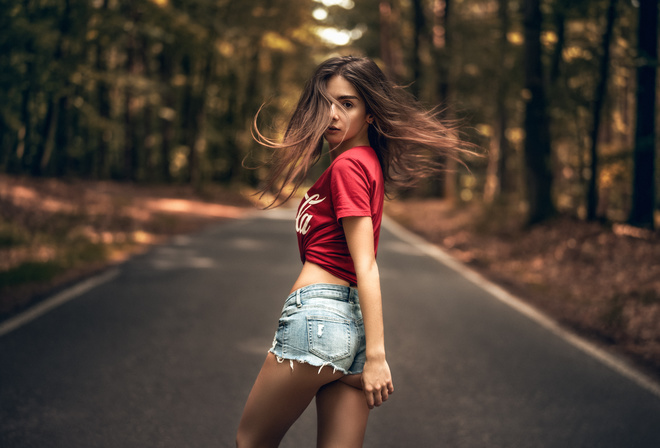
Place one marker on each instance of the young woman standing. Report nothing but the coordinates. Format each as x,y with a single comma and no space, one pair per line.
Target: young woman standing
330,342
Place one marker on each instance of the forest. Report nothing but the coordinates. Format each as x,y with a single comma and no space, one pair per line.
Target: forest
561,95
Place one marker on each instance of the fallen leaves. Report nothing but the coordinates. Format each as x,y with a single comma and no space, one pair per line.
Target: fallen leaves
603,282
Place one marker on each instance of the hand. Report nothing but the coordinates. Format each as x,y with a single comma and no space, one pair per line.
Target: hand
376,382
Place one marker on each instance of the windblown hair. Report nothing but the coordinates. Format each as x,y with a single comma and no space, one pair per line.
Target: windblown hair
411,142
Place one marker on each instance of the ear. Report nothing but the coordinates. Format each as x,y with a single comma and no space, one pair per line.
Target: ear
370,118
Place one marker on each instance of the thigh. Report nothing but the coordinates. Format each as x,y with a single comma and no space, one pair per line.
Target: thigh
342,414
279,395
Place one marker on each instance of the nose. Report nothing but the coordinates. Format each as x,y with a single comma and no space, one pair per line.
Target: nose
333,112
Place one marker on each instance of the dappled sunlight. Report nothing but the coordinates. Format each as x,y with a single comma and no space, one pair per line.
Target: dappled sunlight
346,4
77,227
187,206
247,244
168,258
26,196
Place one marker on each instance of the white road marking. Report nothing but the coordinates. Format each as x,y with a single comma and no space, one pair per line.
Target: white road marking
53,302
614,362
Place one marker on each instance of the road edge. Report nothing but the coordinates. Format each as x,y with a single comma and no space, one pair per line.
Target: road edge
50,303
612,361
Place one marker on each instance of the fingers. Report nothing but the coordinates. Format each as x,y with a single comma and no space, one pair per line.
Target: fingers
377,395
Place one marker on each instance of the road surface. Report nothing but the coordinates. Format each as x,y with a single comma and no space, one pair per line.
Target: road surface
164,355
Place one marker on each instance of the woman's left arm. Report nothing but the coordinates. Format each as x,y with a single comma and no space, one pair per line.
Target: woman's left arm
376,376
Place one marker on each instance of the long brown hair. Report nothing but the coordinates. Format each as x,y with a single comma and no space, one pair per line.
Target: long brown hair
410,141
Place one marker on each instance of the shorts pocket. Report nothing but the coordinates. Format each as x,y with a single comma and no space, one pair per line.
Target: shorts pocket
329,337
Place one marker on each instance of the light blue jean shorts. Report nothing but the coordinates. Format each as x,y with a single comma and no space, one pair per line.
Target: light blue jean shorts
322,325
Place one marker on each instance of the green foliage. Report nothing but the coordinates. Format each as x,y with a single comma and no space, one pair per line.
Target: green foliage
30,272
482,53
12,234
147,90
166,90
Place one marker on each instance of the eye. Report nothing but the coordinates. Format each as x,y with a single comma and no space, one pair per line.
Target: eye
347,104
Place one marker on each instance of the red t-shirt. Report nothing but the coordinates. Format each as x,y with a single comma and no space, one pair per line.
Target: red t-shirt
352,186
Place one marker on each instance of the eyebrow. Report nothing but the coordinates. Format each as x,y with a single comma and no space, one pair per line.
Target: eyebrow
348,97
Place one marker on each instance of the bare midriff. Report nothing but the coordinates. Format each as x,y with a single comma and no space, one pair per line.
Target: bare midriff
312,273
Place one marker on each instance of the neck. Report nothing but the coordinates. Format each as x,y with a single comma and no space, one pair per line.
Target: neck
343,147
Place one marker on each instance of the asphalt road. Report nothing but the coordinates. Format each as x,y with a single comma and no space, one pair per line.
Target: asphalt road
164,355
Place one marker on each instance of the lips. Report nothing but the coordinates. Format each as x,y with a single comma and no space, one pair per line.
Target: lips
333,128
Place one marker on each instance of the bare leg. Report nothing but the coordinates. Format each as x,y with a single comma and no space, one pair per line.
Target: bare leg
342,414
277,399
353,380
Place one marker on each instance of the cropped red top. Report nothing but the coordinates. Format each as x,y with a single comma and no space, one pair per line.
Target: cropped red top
352,186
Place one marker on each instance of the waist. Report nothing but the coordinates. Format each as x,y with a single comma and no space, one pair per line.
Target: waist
324,291
312,273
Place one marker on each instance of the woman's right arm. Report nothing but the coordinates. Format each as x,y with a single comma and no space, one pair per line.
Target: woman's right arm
376,376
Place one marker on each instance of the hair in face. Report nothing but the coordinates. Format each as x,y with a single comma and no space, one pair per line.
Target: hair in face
410,141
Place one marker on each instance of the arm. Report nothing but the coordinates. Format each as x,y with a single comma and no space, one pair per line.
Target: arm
376,376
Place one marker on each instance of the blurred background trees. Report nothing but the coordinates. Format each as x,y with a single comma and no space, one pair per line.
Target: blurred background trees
560,93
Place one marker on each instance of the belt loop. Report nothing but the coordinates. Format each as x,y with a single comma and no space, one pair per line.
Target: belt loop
298,302
351,295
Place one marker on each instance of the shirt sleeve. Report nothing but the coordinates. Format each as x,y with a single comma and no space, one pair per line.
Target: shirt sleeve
350,189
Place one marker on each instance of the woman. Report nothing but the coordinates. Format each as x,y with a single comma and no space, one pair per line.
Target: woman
330,339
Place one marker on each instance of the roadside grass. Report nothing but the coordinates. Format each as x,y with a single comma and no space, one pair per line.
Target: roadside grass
54,232
30,271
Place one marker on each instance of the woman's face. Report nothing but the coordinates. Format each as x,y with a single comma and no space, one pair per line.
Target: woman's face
349,128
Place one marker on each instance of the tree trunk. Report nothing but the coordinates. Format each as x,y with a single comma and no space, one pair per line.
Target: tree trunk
103,96
443,185
166,115
560,24
149,142
130,116
599,100
418,33
230,120
498,182
60,157
45,148
199,136
188,111
450,179
643,199
4,144
389,49
24,143
385,14
537,140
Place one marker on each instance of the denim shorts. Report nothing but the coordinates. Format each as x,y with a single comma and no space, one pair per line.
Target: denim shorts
322,325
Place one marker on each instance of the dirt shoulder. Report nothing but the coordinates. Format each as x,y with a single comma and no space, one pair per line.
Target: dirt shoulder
55,232
601,281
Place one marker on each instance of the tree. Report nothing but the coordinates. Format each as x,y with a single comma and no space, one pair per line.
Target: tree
643,200
599,100
390,50
445,185
498,181
537,134
419,22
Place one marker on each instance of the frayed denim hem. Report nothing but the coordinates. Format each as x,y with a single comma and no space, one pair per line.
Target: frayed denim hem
314,364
